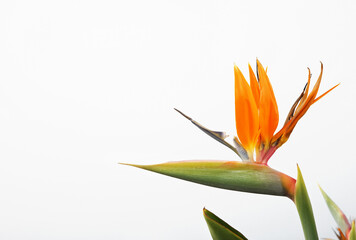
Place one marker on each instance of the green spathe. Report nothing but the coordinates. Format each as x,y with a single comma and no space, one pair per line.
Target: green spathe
232,175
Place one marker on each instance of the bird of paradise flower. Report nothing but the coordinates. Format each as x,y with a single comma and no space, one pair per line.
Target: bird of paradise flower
257,115
257,119
346,228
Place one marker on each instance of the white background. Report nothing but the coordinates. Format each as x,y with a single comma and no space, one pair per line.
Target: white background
87,84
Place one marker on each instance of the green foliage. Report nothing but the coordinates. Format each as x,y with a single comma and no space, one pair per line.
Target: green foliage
353,232
336,212
304,208
219,229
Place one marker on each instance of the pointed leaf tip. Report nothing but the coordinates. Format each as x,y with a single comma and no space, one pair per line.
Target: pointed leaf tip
336,212
219,229
304,208
130,164
189,118
127,164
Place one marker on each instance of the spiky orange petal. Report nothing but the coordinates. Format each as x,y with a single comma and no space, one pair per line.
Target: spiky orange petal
340,235
302,100
246,112
268,109
305,105
322,95
255,87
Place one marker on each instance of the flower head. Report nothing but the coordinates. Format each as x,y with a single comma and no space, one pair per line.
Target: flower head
257,114
346,228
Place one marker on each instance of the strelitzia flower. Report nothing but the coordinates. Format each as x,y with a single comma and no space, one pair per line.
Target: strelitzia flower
256,121
346,228
257,114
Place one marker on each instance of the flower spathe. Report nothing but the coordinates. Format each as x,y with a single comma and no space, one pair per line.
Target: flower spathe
257,114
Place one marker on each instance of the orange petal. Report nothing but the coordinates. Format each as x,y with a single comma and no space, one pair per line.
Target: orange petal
340,235
306,101
268,108
305,92
254,86
296,103
246,112
304,107
322,95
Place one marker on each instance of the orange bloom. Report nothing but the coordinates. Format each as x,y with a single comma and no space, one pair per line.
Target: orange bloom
247,123
257,113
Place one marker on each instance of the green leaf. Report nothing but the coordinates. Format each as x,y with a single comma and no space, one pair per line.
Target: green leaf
220,137
232,175
336,212
219,229
304,208
352,235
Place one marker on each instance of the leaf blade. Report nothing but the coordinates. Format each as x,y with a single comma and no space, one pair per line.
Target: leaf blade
304,208
219,229
336,212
